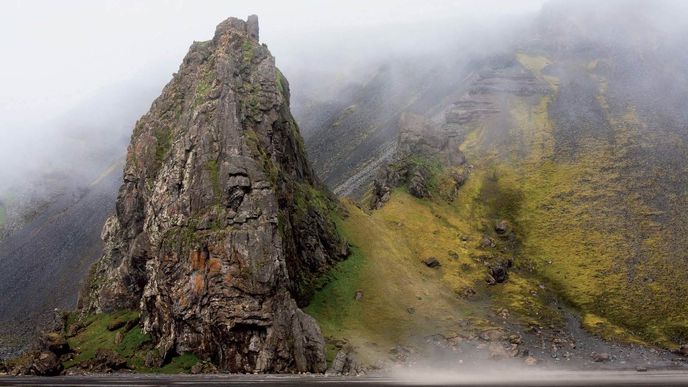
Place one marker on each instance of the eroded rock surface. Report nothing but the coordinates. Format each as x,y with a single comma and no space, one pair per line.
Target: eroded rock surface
221,225
422,147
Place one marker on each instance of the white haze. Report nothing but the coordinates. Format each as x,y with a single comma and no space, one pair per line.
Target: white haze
76,74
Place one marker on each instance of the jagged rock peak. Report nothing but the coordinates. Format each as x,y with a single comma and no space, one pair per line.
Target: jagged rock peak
237,26
221,227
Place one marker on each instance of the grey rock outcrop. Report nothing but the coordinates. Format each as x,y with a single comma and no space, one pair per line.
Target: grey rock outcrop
345,363
420,137
221,226
420,145
46,359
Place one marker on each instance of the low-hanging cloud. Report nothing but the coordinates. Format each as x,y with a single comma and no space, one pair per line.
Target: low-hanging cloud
78,73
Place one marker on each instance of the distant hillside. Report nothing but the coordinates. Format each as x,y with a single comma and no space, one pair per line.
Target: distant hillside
576,137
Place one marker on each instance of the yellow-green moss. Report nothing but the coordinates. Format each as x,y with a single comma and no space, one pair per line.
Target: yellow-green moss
583,223
247,49
585,236
392,280
404,300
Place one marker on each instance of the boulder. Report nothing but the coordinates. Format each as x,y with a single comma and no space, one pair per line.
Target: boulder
417,184
119,337
432,262
502,227
46,364
204,367
38,363
345,363
107,360
499,273
131,324
498,351
115,325
600,357
387,178
153,359
338,363
487,242
74,329
46,360
54,342
515,339
683,350
359,295
494,334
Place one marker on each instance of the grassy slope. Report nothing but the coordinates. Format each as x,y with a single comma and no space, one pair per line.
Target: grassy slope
580,227
386,266
585,228
392,280
133,347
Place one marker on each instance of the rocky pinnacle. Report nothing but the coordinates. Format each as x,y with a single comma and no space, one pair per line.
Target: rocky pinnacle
221,226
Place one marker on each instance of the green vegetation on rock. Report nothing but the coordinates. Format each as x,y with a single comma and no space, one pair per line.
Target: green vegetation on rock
101,331
95,335
247,49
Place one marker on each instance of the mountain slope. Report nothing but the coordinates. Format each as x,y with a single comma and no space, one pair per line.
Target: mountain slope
46,258
576,141
348,147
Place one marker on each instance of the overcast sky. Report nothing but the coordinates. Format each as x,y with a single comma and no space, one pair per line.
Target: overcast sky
108,59
57,52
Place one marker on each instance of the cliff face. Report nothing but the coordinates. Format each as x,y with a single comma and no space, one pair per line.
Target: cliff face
348,146
221,226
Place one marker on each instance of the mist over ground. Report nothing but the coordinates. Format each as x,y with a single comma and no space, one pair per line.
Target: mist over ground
79,73
570,114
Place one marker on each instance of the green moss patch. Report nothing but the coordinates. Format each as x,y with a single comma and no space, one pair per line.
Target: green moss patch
587,225
98,333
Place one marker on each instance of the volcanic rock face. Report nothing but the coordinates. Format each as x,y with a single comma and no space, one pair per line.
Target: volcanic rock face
220,224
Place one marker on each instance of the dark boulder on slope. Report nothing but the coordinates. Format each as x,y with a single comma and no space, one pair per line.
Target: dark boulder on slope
499,272
50,350
221,226
432,262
